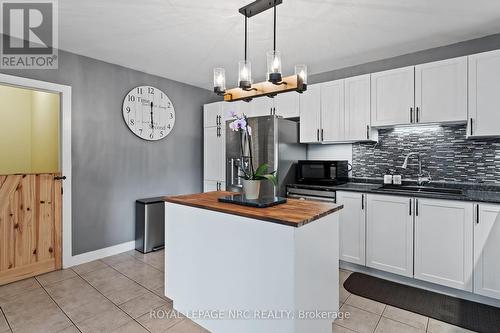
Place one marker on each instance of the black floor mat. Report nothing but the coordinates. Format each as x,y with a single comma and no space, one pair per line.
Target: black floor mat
459,312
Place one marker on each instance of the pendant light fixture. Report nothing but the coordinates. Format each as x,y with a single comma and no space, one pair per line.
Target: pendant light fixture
275,83
245,67
274,58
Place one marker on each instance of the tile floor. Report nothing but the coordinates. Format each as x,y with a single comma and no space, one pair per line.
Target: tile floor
117,293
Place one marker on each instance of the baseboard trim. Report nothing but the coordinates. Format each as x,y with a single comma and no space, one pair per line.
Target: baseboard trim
99,254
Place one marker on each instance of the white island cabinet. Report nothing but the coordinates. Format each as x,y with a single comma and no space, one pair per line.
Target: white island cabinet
259,269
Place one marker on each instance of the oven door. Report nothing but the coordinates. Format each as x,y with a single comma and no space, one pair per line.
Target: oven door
313,198
311,194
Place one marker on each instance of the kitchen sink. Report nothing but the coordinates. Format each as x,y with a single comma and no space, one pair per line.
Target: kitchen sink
421,189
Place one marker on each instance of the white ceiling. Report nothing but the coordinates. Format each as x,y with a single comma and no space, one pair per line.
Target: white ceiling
184,39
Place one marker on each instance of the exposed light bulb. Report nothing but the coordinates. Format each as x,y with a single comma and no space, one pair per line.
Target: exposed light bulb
220,80
244,73
276,64
302,74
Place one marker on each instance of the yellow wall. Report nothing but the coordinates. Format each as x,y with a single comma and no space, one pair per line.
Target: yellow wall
44,132
29,131
15,130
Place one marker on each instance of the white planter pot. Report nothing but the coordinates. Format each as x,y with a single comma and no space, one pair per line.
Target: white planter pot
251,188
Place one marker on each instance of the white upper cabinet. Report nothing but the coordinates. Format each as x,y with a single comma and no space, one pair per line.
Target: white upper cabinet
212,114
484,96
441,91
332,111
310,113
392,96
487,250
357,108
262,106
287,105
443,242
389,234
352,227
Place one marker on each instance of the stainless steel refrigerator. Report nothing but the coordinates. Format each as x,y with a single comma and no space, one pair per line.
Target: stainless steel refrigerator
275,141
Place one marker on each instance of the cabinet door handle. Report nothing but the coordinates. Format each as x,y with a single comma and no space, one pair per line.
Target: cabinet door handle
477,214
410,207
367,132
317,134
362,202
470,126
411,114
416,207
322,135
417,115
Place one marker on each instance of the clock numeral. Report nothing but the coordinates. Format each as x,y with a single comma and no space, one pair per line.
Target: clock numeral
132,122
128,109
151,135
151,90
171,115
139,91
131,98
169,126
140,130
168,105
161,96
161,133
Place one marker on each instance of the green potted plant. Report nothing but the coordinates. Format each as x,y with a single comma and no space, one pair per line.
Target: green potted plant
252,177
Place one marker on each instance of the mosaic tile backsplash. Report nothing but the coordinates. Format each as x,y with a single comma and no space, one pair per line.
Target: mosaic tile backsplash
445,153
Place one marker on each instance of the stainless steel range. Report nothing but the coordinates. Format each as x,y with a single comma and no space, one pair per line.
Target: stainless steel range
311,192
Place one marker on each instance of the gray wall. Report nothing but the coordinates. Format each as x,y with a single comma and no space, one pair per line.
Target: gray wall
483,44
111,166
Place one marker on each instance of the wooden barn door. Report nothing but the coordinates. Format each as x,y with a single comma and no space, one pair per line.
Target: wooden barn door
30,225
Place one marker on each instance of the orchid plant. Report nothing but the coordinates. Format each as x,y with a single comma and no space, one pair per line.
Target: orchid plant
240,124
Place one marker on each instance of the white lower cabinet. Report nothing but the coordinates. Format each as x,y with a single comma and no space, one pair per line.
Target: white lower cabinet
443,242
212,185
487,250
352,227
389,234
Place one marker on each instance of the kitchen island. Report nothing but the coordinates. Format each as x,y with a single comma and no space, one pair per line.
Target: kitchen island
234,268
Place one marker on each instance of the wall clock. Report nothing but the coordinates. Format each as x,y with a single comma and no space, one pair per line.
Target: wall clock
148,113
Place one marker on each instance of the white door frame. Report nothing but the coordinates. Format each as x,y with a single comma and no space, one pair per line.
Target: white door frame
65,149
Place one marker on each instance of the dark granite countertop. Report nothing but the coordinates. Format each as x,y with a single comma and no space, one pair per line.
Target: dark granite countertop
471,192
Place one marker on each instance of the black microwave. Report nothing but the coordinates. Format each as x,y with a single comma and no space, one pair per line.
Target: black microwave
322,172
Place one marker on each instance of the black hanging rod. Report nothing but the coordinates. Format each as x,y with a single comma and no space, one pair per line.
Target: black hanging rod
258,6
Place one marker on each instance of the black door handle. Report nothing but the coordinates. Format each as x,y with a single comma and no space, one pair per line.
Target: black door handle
60,178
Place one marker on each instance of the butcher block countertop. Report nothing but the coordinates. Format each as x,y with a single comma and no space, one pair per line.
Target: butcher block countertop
294,212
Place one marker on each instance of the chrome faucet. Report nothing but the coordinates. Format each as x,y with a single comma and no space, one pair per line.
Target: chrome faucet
421,178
